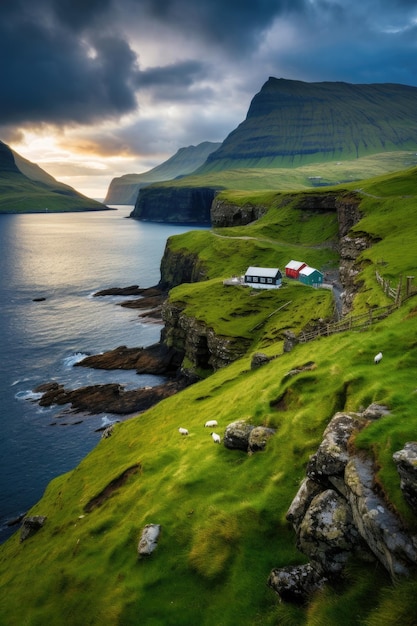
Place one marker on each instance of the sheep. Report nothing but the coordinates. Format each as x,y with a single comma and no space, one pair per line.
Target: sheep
210,424
216,438
183,431
378,358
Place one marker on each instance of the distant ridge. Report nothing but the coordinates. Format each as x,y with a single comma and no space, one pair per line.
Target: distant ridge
292,123
27,188
125,189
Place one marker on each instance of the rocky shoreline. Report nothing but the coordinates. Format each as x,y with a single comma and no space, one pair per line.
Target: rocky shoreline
156,359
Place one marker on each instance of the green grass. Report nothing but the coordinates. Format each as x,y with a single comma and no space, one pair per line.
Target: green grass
314,175
18,194
222,512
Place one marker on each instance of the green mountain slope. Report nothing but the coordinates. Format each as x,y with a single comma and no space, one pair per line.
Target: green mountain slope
292,123
223,512
125,189
26,188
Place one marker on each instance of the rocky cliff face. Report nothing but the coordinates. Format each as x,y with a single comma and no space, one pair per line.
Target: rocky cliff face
199,344
224,213
202,348
189,205
339,511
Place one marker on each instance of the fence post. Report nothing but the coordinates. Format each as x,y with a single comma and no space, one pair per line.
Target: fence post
398,295
408,288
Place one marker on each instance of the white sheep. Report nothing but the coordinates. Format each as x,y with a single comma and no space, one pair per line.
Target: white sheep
183,431
216,437
378,358
210,424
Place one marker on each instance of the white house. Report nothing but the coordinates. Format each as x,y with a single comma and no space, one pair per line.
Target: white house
263,277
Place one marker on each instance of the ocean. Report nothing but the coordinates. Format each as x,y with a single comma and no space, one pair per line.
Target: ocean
51,267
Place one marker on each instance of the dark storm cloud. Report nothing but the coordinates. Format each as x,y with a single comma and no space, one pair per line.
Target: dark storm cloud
79,61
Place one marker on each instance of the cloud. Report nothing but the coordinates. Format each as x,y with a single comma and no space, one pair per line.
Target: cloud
146,77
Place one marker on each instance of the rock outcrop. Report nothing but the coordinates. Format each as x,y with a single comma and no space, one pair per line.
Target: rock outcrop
225,213
30,526
201,347
171,204
339,511
241,435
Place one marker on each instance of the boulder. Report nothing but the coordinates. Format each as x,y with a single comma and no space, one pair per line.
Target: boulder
327,534
149,539
258,438
236,436
30,525
295,583
406,462
259,359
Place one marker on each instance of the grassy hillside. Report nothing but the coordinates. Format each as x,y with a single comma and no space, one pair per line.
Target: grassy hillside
26,188
291,123
125,189
222,512
299,178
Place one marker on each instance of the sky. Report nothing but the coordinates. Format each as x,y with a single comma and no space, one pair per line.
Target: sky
94,89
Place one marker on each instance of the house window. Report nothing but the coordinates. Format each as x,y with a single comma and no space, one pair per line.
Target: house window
262,279
255,279
248,279
269,280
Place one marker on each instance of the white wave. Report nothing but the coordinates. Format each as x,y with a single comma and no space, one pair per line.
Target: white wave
20,380
28,395
71,360
105,421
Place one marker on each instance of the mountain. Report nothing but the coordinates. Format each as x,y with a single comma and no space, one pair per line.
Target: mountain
125,189
26,188
291,123
296,135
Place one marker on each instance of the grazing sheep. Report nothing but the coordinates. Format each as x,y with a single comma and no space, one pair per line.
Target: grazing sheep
216,438
378,358
210,424
183,431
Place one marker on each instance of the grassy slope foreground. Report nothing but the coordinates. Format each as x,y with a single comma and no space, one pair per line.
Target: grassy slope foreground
222,512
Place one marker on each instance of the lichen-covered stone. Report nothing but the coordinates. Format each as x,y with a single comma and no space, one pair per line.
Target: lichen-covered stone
258,438
406,462
30,525
236,436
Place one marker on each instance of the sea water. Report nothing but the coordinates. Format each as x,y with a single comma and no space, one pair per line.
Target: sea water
51,267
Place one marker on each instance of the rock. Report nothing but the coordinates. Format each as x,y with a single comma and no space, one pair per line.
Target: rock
31,525
259,359
107,432
149,539
406,462
236,436
157,359
171,204
375,411
225,213
295,583
258,438
332,454
298,508
339,510
109,398
327,534
132,290
290,340
381,530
